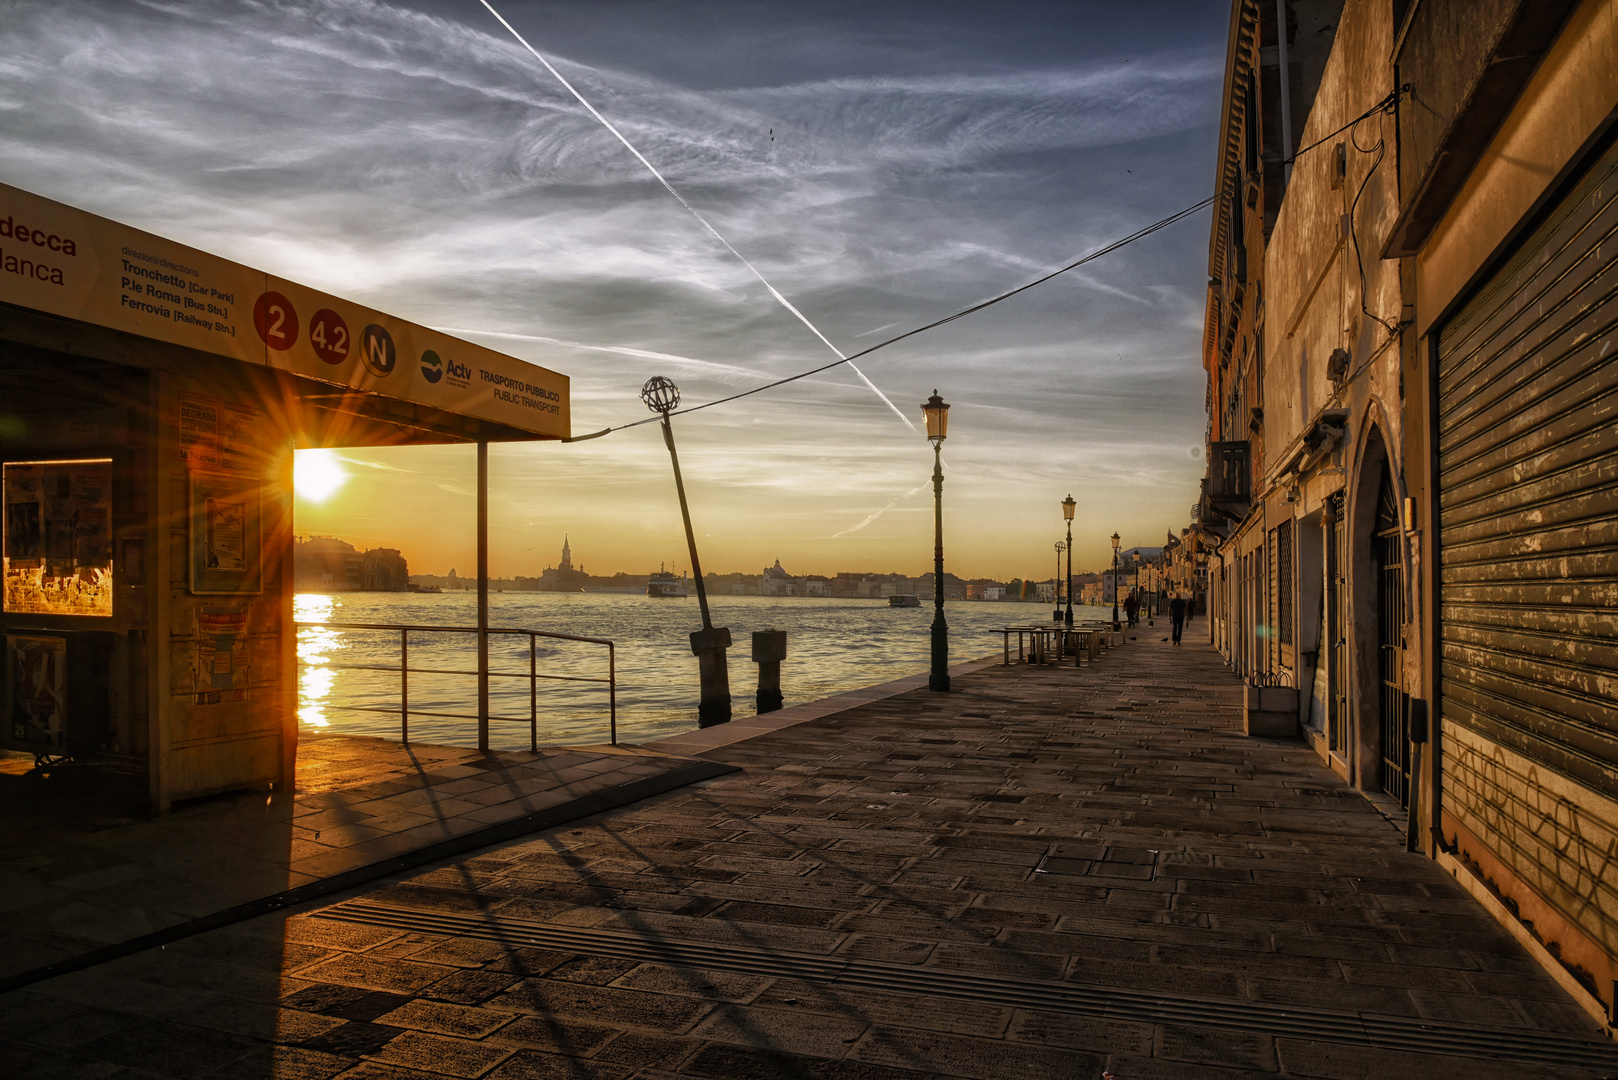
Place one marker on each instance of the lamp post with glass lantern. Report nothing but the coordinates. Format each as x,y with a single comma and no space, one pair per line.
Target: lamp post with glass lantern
1056,616
1116,625
937,414
1068,506
709,643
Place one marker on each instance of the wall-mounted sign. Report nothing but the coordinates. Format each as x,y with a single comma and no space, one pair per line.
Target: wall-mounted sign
65,261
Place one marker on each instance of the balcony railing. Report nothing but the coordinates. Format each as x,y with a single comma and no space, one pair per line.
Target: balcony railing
404,669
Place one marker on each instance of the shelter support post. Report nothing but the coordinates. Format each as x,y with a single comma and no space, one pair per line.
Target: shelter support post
168,520
483,594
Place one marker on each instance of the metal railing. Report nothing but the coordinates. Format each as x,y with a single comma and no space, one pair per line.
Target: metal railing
533,674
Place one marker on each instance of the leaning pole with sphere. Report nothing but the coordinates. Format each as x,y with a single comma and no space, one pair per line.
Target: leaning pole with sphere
709,643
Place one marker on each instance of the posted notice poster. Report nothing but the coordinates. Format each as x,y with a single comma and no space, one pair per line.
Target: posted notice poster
226,556
36,714
221,668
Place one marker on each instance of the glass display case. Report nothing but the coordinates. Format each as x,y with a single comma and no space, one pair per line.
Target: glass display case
57,537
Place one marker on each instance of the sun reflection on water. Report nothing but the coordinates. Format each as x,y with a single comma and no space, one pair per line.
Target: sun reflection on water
315,646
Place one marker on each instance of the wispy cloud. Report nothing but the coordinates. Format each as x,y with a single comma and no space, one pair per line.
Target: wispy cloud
416,160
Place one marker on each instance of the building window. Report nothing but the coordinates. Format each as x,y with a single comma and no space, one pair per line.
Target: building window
1284,583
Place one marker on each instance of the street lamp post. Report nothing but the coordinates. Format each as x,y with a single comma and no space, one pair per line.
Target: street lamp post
1068,506
1116,625
709,643
1056,616
937,414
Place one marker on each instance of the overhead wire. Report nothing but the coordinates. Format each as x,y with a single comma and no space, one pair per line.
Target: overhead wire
1380,150
1390,101
935,324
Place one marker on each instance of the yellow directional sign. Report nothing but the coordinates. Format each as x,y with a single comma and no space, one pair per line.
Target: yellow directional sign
65,261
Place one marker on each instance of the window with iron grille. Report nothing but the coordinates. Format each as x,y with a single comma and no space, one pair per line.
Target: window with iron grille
1284,582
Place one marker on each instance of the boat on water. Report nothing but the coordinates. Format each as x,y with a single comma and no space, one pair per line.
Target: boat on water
904,600
664,583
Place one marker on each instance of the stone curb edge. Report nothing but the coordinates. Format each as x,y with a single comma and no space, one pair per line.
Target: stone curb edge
610,798
707,740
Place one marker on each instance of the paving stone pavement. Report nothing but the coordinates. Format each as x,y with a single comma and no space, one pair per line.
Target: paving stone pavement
84,868
1049,873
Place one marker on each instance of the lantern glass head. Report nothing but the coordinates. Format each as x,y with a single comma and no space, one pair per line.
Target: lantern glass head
1068,506
937,414
1115,539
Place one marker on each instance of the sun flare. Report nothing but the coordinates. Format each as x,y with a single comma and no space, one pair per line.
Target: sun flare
317,474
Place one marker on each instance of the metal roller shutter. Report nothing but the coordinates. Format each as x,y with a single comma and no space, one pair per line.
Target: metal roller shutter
1528,557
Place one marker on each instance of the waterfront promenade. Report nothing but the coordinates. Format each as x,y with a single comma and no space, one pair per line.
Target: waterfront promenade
1050,873
85,874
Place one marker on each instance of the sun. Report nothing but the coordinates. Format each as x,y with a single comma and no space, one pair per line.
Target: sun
317,474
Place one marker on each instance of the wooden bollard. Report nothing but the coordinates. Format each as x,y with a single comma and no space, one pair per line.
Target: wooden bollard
769,649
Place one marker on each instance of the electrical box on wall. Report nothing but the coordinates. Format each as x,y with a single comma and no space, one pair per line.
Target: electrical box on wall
56,692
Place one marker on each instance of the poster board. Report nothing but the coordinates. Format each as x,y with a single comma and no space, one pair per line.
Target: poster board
36,702
226,547
57,542
222,666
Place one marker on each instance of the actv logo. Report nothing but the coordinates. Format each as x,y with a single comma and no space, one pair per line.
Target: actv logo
435,367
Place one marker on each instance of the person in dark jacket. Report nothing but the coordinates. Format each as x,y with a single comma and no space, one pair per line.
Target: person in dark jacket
1177,609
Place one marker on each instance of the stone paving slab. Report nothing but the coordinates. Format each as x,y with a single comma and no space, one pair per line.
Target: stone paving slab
74,884
901,890
704,740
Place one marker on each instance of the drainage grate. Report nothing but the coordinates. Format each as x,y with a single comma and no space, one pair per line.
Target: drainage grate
1082,999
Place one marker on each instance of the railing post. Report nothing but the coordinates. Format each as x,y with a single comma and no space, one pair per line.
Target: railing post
404,685
533,673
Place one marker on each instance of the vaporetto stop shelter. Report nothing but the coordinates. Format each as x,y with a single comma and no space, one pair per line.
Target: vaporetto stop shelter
151,396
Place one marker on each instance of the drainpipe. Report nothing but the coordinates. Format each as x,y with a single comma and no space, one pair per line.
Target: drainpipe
1286,89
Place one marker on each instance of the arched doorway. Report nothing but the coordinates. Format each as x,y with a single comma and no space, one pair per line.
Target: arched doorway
1387,546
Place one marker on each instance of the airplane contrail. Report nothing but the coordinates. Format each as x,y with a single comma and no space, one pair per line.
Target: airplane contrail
693,211
872,517
732,372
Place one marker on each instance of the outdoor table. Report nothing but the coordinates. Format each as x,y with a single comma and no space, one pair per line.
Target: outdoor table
1038,638
1085,639
1103,633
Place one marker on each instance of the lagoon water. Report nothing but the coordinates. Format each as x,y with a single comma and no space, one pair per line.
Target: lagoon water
832,646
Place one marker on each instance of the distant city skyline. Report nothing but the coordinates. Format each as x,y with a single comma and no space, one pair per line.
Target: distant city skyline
673,565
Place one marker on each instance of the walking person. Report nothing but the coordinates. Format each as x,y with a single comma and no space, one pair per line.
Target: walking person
1177,610
1131,608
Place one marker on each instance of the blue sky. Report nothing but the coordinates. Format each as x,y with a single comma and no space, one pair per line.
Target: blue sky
881,165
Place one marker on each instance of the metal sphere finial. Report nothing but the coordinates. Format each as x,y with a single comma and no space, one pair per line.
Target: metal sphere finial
660,394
